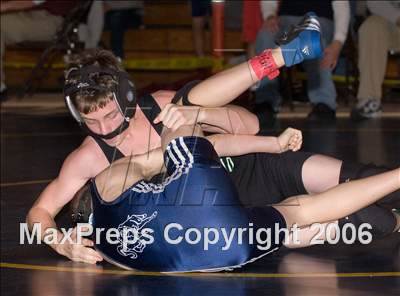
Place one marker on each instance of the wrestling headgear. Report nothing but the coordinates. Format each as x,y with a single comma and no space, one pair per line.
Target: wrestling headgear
123,92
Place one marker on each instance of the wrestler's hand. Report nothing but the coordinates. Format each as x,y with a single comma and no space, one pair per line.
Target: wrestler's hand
79,252
174,116
290,139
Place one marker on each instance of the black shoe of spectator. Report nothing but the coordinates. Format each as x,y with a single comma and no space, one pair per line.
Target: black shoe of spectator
3,95
322,112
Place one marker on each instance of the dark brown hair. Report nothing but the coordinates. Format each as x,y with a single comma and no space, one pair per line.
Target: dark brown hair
89,100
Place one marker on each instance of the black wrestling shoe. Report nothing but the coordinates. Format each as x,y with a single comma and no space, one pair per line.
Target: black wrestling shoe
322,112
81,206
302,42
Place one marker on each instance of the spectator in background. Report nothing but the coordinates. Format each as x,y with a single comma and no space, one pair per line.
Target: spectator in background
252,22
334,19
29,21
120,16
377,35
201,10
89,32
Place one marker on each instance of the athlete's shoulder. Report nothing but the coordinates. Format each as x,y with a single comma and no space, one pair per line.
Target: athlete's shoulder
87,158
163,97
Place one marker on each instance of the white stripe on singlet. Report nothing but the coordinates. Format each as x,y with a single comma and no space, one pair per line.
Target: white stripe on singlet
181,167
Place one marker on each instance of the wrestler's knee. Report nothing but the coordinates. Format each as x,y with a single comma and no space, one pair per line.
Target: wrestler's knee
295,210
320,173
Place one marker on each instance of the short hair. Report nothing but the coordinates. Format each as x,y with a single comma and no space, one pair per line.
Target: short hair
90,100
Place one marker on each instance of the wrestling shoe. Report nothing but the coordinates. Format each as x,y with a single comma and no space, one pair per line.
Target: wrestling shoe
81,206
366,109
301,42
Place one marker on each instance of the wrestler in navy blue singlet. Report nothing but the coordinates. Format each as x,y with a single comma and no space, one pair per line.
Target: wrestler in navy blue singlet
196,193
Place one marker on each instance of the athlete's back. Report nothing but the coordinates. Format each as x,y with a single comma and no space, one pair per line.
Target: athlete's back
155,222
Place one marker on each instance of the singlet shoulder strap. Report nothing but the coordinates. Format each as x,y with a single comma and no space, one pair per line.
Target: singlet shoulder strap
151,109
184,92
111,153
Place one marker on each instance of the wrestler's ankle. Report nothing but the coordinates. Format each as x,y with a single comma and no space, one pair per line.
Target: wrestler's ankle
278,57
267,64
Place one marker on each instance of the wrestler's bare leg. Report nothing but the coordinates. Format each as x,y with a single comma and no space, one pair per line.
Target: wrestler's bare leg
222,88
335,203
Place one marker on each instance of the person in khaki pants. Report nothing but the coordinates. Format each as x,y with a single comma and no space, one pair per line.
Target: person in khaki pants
29,21
377,35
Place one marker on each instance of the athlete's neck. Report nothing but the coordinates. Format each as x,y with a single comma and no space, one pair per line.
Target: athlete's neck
121,138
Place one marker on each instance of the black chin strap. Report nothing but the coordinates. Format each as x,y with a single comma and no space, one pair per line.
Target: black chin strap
124,125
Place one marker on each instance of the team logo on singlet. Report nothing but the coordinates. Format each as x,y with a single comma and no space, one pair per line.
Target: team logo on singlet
131,237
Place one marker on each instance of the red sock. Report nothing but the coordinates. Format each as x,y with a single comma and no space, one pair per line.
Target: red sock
264,65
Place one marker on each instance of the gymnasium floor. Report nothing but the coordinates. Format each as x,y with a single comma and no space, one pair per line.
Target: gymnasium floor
37,134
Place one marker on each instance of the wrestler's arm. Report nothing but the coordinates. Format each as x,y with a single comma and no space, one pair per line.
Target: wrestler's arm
125,172
234,145
230,119
73,175
122,174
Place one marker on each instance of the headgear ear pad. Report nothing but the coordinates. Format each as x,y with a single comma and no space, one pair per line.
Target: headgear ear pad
123,92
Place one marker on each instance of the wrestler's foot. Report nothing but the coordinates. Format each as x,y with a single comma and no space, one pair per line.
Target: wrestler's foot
302,42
